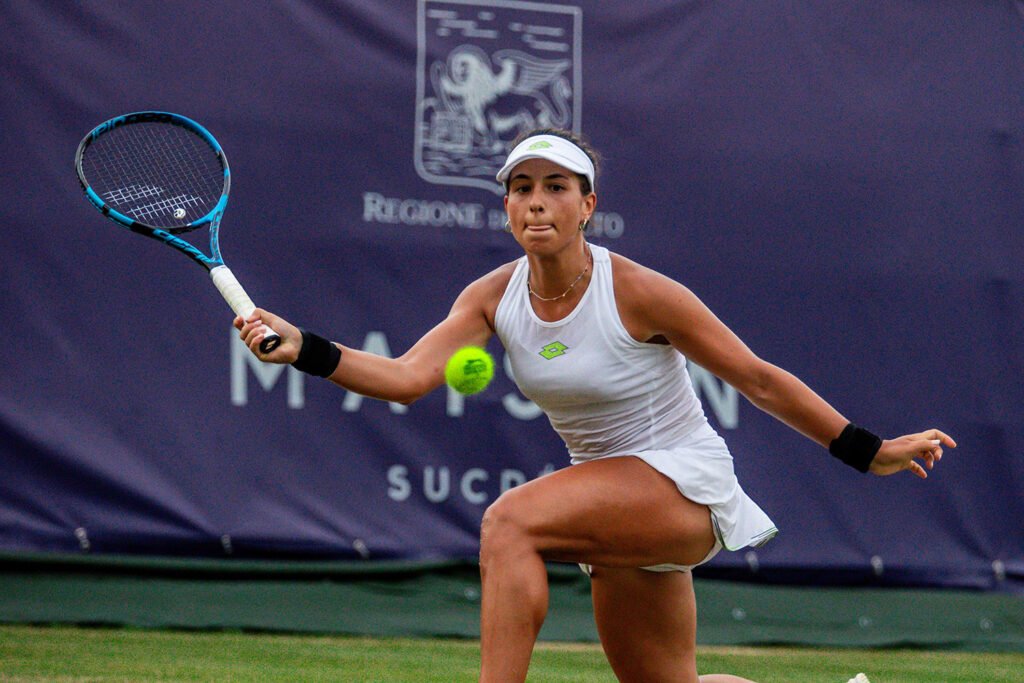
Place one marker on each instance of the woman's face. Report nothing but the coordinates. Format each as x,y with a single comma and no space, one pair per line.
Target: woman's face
545,205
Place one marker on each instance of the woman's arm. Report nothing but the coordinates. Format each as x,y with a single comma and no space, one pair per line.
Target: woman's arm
414,373
654,306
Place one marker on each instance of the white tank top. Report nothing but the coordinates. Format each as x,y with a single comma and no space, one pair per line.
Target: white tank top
604,392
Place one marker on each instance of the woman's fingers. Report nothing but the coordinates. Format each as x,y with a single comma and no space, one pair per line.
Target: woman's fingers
917,470
917,453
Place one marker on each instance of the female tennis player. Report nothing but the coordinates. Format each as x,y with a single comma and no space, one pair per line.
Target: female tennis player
598,342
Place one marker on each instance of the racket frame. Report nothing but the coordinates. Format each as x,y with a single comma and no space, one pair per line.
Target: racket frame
213,262
165,234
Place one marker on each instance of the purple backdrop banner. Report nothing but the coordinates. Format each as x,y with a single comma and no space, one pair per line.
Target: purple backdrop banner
842,183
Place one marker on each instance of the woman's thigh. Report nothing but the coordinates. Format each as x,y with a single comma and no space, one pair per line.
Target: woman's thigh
647,622
614,512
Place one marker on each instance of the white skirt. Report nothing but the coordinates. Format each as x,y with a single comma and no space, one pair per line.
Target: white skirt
702,469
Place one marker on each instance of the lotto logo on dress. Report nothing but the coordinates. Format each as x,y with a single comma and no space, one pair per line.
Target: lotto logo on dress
554,350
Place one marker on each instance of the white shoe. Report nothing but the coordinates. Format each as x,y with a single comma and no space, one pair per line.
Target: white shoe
859,678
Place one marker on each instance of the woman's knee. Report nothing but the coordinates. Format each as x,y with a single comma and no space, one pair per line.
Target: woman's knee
504,528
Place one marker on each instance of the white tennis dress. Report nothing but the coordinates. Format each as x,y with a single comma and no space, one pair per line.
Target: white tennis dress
608,395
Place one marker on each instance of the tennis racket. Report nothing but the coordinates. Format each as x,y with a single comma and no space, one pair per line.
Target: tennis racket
160,175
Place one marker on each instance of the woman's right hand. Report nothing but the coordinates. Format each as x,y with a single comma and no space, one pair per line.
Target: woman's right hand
252,330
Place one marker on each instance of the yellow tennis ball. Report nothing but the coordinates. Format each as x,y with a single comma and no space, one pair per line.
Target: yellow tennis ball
469,370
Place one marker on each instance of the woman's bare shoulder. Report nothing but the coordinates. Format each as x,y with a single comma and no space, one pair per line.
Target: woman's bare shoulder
495,282
650,304
631,278
485,292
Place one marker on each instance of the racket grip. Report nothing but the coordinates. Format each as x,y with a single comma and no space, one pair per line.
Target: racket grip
241,304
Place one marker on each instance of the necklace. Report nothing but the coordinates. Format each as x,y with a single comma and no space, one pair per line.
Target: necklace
590,259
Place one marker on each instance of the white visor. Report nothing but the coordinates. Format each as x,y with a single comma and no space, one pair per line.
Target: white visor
553,148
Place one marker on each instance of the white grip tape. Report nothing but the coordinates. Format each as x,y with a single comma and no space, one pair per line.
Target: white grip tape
232,292
240,302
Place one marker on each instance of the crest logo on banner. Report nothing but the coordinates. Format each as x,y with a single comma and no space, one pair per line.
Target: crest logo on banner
486,71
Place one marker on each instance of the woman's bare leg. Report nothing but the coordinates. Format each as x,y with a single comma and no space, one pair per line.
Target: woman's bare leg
513,604
617,512
647,622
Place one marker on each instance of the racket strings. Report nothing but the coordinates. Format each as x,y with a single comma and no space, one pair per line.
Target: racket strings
132,193
156,173
173,206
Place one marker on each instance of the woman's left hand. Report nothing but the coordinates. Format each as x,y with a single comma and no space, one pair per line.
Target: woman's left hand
899,454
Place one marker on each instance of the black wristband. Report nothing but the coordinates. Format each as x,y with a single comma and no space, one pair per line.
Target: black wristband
317,356
856,447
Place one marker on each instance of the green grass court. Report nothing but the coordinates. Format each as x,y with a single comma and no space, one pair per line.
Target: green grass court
138,619
32,653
